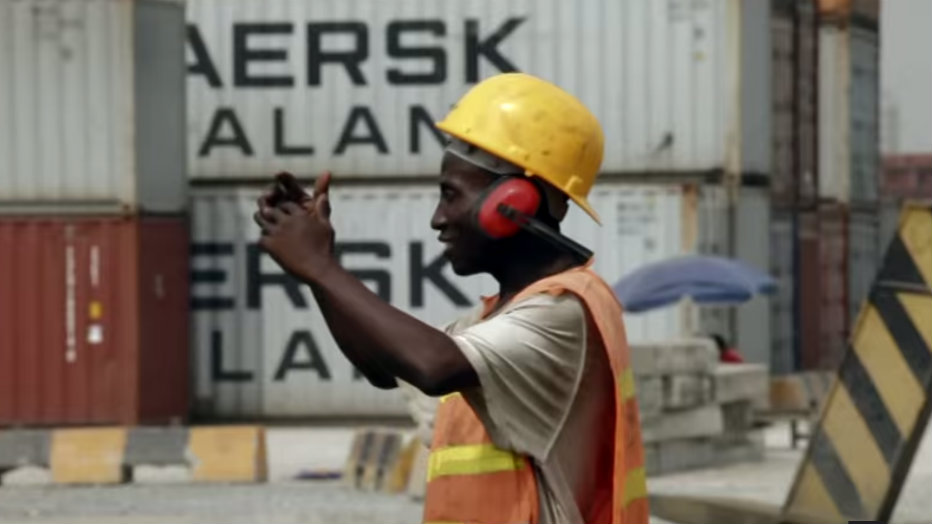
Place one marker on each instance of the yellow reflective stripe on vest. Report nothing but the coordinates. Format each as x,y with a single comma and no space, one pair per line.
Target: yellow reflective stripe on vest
626,380
635,485
474,459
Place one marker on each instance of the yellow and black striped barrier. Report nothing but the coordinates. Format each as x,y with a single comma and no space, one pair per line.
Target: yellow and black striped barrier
879,405
876,410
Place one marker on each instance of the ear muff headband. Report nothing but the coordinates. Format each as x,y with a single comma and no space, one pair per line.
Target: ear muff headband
518,193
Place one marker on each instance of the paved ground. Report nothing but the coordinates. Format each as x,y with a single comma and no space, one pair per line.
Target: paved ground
287,501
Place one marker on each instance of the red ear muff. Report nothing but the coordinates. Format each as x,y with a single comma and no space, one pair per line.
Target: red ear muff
518,193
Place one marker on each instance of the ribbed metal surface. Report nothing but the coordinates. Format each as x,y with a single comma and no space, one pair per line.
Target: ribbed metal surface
849,113
663,77
261,347
95,324
92,106
864,257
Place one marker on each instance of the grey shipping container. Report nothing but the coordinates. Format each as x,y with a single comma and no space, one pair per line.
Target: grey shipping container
352,85
92,100
262,349
782,267
864,256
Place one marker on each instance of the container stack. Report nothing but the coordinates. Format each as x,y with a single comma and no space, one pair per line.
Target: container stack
696,412
830,218
353,87
93,228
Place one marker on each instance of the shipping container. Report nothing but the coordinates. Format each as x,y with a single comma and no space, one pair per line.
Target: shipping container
864,256
794,77
832,289
906,176
807,299
849,125
92,101
844,12
262,349
783,357
353,85
95,320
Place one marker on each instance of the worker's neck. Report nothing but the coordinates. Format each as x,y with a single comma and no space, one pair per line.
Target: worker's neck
528,267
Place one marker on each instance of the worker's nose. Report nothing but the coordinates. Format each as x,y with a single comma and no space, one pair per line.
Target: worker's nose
439,220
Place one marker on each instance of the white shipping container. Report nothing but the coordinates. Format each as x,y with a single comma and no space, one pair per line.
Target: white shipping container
261,347
92,106
849,125
353,85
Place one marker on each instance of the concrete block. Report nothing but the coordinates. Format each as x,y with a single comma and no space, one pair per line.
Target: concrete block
88,456
371,458
686,391
228,454
157,446
27,476
730,450
738,417
680,455
150,474
649,392
676,425
686,356
742,382
397,478
24,447
417,479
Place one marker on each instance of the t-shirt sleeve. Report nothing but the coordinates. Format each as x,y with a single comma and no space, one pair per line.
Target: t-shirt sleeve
529,360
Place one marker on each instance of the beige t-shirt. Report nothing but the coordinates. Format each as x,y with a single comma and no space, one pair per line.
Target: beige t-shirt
545,391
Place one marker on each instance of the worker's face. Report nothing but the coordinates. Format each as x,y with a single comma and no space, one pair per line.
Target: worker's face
461,185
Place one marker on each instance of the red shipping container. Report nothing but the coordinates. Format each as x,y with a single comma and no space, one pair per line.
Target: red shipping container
808,284
822,286
833,269
95,320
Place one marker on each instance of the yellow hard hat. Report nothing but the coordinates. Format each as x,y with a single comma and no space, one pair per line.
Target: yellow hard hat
535,125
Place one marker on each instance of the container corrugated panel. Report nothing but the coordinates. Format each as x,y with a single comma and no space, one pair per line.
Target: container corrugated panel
92,104
807,309
806,108
95,321
352,85
794,76
848,114
782,39
262,348
906,176
782,322
864,90
833,286
864,257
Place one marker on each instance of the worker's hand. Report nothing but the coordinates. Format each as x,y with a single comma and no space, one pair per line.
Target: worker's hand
299,236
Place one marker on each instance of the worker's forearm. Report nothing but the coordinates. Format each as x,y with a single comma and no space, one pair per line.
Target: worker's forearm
363,323
366,363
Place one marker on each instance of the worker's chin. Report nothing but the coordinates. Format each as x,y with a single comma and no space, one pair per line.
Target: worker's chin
462,266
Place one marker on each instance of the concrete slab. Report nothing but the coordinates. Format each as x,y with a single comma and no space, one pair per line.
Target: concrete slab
22,447
149,474
686,391
27,476
705,421
156,446
686,356
733,382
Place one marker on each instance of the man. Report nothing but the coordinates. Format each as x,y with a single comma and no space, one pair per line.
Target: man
537,419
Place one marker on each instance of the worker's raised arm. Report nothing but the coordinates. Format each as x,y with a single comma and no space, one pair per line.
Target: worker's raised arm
382,341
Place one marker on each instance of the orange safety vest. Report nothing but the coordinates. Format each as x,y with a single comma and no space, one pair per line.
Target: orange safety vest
470,480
